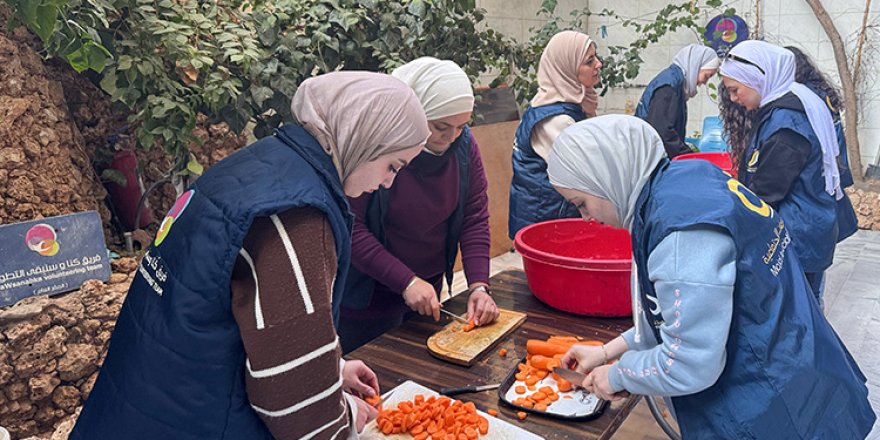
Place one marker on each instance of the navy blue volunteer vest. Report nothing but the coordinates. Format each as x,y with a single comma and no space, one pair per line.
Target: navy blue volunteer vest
532,199
809,211
673,77
359,286
175,368
847,221
787,375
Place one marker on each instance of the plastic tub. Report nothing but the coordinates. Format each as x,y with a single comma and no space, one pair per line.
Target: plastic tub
578,267
721,160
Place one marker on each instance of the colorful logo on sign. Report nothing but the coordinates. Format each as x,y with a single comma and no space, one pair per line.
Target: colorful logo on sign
175,212
42,239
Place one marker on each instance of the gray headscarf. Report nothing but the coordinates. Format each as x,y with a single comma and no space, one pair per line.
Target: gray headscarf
609,156
692,59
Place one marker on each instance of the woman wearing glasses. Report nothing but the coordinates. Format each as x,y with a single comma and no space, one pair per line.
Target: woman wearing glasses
664,101
567,76
791,160
406,238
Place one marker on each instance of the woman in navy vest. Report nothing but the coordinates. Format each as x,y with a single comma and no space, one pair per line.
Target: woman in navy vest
227,329
664,101
725,325
406,238
567,76
791,160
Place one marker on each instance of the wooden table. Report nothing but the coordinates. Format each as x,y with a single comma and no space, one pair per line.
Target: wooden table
401,354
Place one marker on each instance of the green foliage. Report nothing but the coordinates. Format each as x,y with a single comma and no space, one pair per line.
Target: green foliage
240,61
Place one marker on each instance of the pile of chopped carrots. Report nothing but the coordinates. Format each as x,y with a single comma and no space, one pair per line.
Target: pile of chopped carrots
438,418
542,357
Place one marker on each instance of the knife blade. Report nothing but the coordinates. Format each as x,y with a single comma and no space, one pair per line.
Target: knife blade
570,375
468,389
385,397
454,316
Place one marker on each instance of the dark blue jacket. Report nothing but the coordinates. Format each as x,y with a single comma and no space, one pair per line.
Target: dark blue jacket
532,199
175,368
672,77
359,286
787,375
809,211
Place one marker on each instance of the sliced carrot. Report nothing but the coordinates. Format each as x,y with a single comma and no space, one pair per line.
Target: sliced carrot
470,326
502,352
567,396
541,407
544,348
520,389
521,415
492,412
563,385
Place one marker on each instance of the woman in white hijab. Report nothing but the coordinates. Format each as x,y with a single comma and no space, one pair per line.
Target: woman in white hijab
567,77
406,238
791,162
664,101
731,334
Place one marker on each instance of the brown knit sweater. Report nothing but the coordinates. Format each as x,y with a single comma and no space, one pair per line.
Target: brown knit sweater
281,293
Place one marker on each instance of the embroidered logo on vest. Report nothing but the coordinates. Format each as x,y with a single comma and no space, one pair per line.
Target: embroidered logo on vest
176,210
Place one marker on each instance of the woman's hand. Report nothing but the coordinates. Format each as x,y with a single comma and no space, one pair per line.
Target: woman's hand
482,309
359,380
421,297
365,413
583,358
598,384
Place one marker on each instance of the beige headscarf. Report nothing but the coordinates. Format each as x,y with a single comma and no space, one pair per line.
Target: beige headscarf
442,87
609,156
359,116
558,72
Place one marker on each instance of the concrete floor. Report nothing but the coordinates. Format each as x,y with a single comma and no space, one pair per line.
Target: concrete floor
852,305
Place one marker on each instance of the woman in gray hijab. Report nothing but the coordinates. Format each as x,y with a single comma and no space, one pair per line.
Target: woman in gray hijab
664,101
733,337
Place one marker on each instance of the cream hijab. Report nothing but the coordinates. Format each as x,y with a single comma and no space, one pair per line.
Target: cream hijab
359,116
442,87
609,156
558,72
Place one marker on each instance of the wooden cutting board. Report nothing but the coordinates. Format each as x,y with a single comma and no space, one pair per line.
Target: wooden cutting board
498,429
463,348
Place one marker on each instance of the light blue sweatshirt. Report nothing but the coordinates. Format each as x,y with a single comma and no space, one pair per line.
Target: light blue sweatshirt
693,272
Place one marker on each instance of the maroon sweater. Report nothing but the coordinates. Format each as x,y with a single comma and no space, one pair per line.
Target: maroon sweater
417,222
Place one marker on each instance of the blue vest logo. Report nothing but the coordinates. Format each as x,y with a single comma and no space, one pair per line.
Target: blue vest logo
176,210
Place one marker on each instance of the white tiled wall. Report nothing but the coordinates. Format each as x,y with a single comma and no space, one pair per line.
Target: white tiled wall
786,22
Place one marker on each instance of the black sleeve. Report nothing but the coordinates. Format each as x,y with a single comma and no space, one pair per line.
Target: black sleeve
782,158
661,115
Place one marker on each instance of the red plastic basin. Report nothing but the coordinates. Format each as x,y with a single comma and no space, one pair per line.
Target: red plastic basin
577,266
720,159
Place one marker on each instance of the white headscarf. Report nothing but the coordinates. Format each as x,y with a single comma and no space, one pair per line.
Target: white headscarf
442,87
558,72
692,59
611,157
778,79
359,116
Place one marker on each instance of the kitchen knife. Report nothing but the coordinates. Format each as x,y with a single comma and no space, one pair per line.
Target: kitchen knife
454,316
468,389
570,375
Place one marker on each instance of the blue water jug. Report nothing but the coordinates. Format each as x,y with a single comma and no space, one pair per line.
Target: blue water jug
712,139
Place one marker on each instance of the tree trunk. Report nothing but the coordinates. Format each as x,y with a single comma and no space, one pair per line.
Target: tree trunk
851,100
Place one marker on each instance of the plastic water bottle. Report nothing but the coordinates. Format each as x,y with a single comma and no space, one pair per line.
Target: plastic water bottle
712,139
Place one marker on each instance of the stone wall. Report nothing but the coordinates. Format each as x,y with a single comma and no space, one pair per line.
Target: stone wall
53,348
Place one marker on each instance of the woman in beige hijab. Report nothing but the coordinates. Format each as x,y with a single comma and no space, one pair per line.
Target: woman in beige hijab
567,76
228,329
